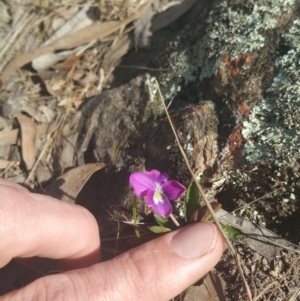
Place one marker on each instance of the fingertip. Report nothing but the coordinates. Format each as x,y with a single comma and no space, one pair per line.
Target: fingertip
194,240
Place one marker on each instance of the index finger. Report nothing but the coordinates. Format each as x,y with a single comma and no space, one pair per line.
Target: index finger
38,225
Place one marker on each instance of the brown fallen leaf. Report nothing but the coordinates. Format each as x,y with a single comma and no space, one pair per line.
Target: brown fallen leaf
203,214
67,186
11,137
167,17
97,31
125,43
8,137
28,136
66,157
257,238
212,289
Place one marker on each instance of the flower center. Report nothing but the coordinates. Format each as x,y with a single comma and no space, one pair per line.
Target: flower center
158,196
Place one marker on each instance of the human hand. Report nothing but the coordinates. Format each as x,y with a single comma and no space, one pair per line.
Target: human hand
38,225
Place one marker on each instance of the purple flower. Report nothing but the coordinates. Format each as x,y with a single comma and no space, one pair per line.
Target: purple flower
158,190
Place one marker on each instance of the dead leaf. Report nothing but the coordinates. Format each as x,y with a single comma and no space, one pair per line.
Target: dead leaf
257,238
167,17
28,136
125,43
67,186
71,126
41,114
43,173
8,137
66,157
48,60
112,57
142,32
42,130
212,289
13,105
77,22
11,137
98,30
49,88
203,214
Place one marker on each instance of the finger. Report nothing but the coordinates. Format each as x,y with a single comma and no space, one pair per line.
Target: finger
12,184
38,225
158,270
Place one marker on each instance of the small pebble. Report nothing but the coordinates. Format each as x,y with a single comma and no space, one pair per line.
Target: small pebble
273,274
255,257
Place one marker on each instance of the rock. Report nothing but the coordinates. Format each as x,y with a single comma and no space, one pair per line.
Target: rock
113,118
126,123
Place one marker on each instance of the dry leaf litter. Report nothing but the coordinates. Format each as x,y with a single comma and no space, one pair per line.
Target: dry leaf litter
54,56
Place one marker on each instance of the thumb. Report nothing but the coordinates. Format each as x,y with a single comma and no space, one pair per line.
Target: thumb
158,270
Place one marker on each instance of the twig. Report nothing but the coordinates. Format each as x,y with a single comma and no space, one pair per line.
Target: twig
211,211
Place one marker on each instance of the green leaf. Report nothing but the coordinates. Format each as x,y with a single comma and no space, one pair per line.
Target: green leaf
233,233
191,201
161,220
159,229
164,222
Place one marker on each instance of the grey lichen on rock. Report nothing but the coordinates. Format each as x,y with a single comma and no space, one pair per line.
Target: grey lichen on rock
275,122
229,29
236,30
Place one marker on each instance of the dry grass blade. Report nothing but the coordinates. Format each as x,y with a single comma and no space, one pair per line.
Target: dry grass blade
228,243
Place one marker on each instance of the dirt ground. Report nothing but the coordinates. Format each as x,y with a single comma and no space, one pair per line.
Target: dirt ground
80,112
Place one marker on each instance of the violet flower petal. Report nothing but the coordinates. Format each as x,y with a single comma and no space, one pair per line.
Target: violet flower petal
157,176
141,183
173,190
162,208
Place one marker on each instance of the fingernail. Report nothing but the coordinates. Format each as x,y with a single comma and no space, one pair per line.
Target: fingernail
195,240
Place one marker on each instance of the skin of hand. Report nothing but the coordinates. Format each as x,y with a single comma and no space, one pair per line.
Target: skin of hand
38,225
